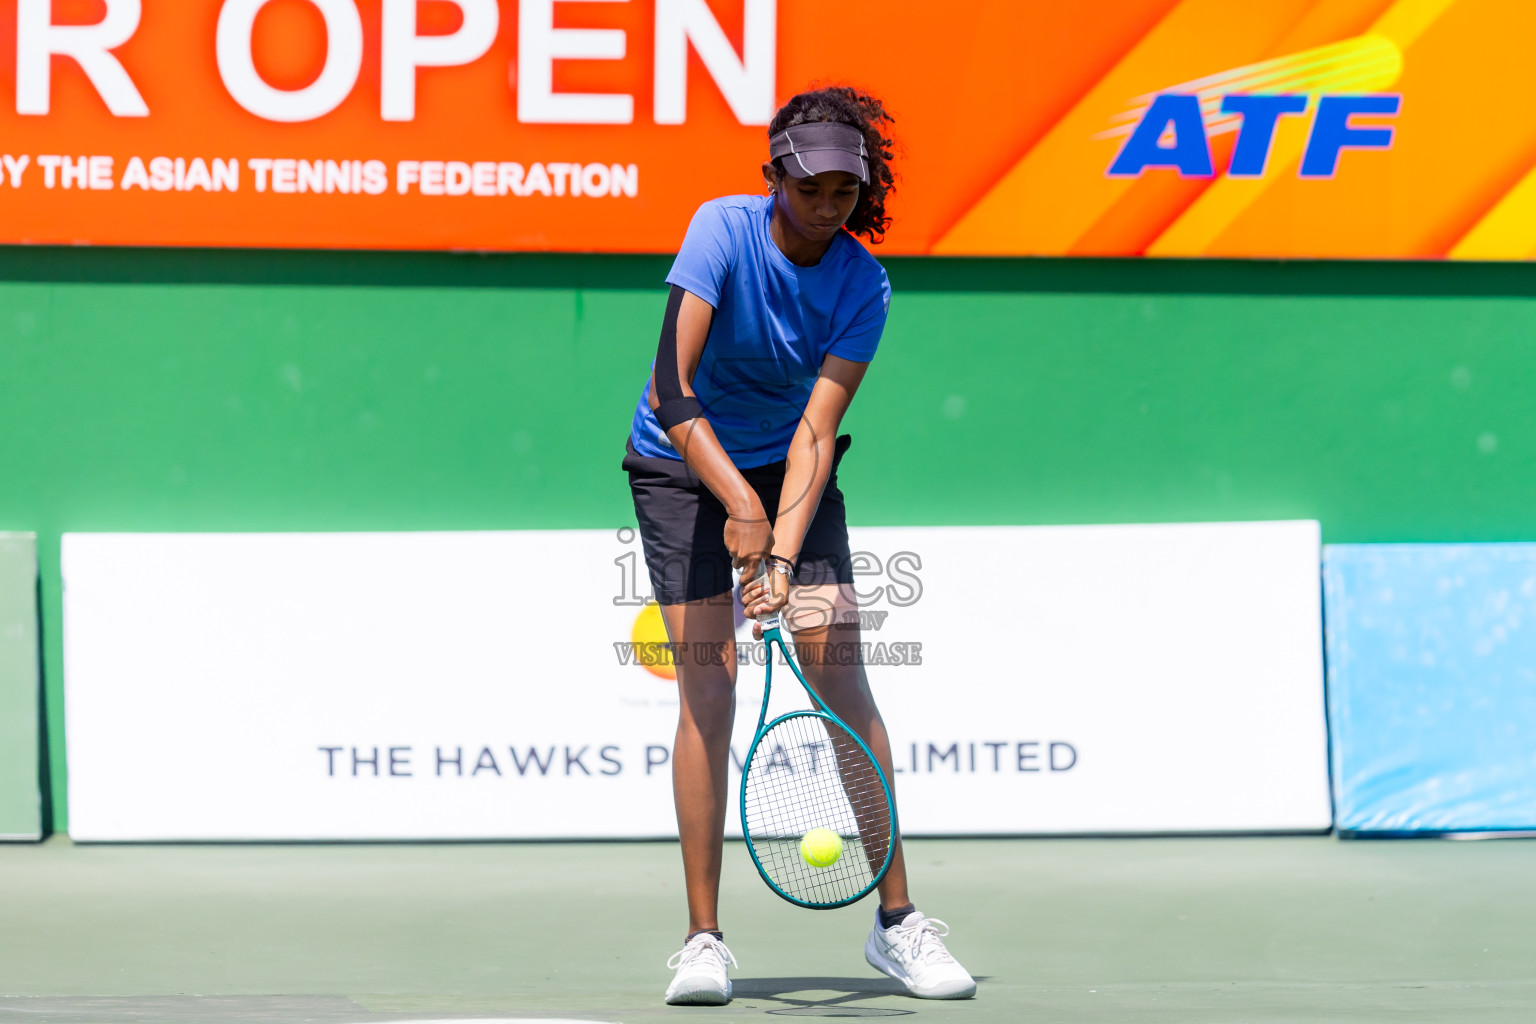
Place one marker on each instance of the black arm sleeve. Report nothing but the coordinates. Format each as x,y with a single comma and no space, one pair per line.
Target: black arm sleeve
673,407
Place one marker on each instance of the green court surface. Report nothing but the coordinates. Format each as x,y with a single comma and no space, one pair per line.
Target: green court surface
1155,930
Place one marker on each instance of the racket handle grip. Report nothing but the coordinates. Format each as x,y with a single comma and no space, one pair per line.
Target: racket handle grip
772,619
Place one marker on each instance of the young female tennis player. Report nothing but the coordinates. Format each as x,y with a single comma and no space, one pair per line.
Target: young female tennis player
774,315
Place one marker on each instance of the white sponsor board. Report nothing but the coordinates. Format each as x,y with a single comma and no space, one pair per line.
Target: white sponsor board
482,685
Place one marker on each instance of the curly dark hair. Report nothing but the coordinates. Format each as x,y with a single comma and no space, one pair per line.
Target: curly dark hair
860,110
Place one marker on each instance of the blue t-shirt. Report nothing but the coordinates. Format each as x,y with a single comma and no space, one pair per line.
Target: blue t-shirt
774,324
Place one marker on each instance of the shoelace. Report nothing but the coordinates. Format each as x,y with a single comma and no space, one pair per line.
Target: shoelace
930,952
700,947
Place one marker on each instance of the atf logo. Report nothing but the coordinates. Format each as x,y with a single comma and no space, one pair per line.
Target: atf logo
1260,104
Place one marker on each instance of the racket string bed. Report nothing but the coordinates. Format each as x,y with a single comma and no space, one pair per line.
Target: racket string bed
807,772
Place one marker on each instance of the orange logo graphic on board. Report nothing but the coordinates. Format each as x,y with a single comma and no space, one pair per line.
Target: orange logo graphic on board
648,639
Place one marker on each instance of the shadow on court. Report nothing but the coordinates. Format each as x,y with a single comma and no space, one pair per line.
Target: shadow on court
789,993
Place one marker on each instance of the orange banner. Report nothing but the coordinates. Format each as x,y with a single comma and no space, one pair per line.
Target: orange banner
1269,128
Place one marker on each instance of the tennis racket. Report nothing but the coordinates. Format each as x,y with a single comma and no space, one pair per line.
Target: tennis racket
807,771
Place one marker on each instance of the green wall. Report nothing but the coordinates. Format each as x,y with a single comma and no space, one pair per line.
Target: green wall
145,390
20,816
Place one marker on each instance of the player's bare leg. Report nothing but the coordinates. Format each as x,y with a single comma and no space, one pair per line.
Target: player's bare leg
818,618
701,750
909,947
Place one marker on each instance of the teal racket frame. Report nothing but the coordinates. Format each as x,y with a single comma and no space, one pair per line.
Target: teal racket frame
771,636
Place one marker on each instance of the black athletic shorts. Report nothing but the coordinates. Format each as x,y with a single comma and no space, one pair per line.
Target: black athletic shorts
682,527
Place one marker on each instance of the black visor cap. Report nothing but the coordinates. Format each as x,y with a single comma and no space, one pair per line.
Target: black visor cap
810,149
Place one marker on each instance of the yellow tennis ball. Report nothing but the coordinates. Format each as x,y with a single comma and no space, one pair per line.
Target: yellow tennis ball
821,847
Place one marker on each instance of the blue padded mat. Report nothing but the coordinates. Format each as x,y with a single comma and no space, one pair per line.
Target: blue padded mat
1432,686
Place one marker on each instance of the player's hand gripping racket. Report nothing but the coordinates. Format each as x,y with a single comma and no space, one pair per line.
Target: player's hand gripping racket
816,809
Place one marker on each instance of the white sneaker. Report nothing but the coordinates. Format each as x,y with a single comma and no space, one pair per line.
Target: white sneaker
913,953
701,973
